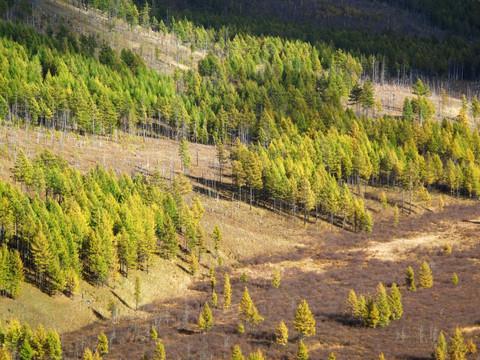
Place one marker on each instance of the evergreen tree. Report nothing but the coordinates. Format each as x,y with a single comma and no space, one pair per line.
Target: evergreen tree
276,278
227,292
395,302
26,351
456,348
352,304
440,352
170,241
102,345
410,279
53,347
302,351
159,352
138,291
205,321
425,278
193,264
14,276
407,110
454,279
304,321
257,355
214,299
213,281
475,107
382,304
153,333
372,315
184,155
381,357
217,239
281,336
237,353
245,306
332,357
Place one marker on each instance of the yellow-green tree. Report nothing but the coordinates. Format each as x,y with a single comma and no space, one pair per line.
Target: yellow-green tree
102,344
302,353
227,292
304,321
281,336
425,278
159,352
456,348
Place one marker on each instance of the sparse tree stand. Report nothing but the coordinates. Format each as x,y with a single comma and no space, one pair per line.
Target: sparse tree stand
102,345
137,292
159,352
425,278
281,336
304,321
302,353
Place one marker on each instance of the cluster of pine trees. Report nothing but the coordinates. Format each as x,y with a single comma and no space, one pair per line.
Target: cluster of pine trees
68,226
378,310
19,341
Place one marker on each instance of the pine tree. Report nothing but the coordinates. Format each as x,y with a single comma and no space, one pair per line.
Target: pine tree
193,264
395,302
281,336
15,275
237,353
53,347
159,352
138,292
304,321
456,348
381,357
227,292
257,355
440,352
26,351
276,278
372,314
256,318
153,333
332,357
383,200
170,240
205,321
213,281
381,301
352,304
454,279
407,110
214,299
410,279
475,107
102,345
302,353
396,216
245,306
184,156
425,278
217,239
87,354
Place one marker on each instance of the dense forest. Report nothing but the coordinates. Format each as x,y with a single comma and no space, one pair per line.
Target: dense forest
69,226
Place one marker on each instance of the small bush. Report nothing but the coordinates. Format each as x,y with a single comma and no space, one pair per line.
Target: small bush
454,279
447,249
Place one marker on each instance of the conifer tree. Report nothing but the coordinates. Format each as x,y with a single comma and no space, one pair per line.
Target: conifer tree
170,240
217,239
410,279
304,321
454,279
159,352
352,304
257,355
440,352
302,353
184,155
372,314
153,333
383,200
205,321
396,216
138,291
214,299
102,345
456,348
276,278
245,306
381,356
87,354
425,278
227,292
53,347
256,318
395,302
213,281
14,275
281,336
332,357
237,353
193,264
382,304
26,351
